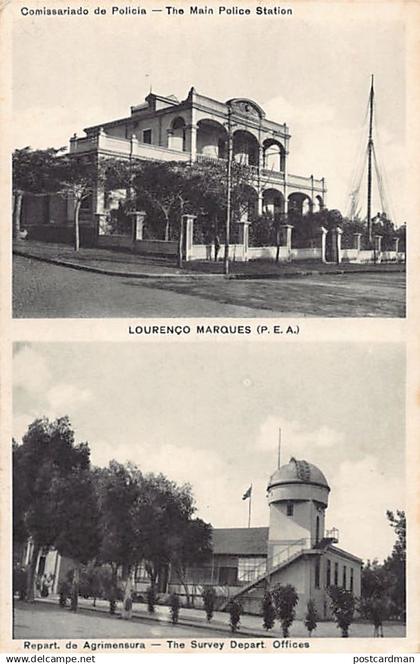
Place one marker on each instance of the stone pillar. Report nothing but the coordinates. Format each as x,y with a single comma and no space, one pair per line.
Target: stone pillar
286,239
138,218
73,143
323,244
396,241
244,239
337,238
377,248
191,141
188,221
356,241
260,201
100,224
170,133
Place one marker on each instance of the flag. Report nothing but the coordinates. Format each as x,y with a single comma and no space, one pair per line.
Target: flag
247,493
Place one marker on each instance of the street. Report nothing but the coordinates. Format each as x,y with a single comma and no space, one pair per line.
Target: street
46,621
42,290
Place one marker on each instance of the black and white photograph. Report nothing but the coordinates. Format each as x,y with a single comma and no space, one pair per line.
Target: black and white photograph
221,500
209,161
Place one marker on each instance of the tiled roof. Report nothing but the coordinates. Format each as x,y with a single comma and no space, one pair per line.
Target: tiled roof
240,541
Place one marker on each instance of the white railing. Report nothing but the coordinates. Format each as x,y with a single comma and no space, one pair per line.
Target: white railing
261,569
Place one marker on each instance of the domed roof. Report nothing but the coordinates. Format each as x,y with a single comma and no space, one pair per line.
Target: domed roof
298,470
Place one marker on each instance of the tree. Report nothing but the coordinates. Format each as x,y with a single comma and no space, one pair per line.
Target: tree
269,612
78,178
162,512
119,489
209,600
342,605
174,603
31,173
311,617
46,456
79,536
191,546
285,600
235,610
395,564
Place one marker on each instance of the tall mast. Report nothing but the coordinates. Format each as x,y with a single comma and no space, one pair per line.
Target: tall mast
370,150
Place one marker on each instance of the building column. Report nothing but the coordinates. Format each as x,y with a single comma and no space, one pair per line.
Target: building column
244,239
169,133
286,239
137,218
191,141
188,221
323,244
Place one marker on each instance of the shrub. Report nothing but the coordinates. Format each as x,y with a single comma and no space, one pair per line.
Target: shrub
311,617
209,600
235,610
269,612
285,600
342,606
151,599
64,591
174,603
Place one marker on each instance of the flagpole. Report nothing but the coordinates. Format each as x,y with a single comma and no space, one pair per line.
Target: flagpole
249,509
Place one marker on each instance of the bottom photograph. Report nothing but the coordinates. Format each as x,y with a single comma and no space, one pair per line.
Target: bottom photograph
208,490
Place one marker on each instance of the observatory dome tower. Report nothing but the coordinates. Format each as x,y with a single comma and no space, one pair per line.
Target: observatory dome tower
298,497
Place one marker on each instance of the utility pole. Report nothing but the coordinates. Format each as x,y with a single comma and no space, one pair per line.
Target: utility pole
369,173
229,192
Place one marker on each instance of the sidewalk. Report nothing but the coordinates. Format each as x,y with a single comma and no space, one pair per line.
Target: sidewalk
250,626
126,264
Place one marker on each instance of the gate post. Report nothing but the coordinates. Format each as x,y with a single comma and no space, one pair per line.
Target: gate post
243,239
138,218
377,248
286,239
324,232
188,221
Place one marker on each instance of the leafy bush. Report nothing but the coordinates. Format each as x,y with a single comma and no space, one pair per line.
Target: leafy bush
174,603
269,612
235,610
209,600
342,606
311,617
285,600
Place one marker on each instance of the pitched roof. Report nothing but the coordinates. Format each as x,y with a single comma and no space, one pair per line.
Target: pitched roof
240,541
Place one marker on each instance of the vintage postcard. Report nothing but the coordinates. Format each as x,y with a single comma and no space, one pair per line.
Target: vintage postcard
209,328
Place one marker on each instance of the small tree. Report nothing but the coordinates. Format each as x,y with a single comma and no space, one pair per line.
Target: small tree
151,599
174,603
269,612
285,600
311,617
343,605
235,610
209,600
376,610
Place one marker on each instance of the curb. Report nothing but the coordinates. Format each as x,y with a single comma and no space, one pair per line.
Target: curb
196,275
182,622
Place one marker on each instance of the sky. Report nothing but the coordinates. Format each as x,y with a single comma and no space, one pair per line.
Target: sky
210,414
311,70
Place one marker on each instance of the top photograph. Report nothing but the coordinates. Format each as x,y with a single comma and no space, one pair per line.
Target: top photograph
209,161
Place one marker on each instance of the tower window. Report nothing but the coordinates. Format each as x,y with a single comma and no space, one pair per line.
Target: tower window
289,508
344,576
336,574
328,580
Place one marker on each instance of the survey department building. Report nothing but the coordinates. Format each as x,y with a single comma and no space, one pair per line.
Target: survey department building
296,548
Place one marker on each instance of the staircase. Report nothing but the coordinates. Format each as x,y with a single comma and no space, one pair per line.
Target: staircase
263,571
